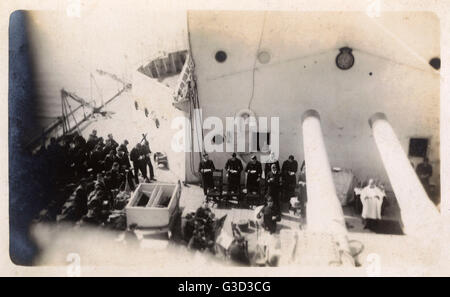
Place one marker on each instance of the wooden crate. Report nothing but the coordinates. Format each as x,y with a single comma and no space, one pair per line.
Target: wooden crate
153,205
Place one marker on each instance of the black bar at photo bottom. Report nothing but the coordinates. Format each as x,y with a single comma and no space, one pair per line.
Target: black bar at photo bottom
249,286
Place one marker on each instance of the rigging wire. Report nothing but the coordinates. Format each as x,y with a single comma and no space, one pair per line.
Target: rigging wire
195,105
63,117
255,61
75,120
194,102
66,114
191,154
98,90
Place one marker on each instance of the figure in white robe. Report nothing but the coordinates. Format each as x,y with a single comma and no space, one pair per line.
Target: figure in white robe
371,198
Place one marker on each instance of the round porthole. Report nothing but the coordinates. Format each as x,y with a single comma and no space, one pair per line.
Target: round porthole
221,56
345,59
264,57
435,63
217,139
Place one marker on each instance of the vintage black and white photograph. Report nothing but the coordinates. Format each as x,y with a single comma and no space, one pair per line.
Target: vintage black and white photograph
183,140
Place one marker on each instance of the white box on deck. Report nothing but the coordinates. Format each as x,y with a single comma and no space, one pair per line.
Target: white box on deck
153,214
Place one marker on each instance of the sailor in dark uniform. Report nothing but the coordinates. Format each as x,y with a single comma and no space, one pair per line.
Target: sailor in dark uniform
302,193
234,168
206,169
92,140
122,159
254,171
79,140
123,147
109,160
269,216
117,178
77,205
274,186
288,171
111,143
138,163
145,151
96,158
424,171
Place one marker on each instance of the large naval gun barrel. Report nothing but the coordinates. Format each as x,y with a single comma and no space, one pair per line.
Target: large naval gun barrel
419,215
324,211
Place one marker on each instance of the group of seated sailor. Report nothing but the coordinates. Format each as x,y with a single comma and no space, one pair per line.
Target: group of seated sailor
276,185
199,229
88,174
278,180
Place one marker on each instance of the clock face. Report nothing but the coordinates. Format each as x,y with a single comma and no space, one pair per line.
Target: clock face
345,59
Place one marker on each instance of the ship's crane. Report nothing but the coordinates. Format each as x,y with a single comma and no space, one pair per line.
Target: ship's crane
67,121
